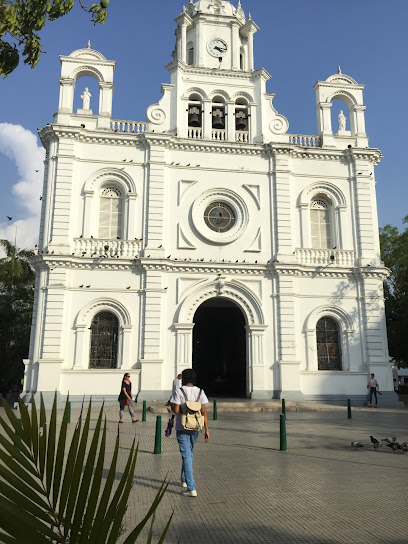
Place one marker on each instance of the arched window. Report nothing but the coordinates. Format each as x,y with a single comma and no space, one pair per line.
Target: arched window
104,341
195,117
110,213
241,120
190,54
218,118
328,344
320,215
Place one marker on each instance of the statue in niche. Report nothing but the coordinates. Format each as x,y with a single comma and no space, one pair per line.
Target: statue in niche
86,99
342,121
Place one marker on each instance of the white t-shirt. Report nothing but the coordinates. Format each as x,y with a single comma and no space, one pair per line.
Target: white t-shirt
373,382
176,385
191,394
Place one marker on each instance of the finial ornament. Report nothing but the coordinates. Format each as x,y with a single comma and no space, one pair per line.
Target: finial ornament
239,4
89,44
339,70
249,17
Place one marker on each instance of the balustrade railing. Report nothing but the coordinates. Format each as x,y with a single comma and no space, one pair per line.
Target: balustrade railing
131,127
218,135
304,140
99,248
195,133
241,136
324,257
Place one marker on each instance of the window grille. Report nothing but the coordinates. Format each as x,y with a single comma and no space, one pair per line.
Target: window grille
104,341
320,213
110,213
328,344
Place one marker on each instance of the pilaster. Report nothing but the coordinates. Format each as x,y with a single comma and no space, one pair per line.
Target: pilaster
283,209
155,207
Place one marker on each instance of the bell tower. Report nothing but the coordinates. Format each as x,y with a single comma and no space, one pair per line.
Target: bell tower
215,34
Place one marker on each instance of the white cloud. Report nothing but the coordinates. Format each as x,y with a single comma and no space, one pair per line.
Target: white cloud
20,145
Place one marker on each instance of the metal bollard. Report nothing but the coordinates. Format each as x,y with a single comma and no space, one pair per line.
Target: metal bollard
283,445
69,411
349,408
283,407
215,415
144,411
157,438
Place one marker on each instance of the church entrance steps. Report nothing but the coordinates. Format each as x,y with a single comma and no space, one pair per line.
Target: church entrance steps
243,405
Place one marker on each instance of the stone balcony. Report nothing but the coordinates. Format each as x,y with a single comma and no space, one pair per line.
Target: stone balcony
97,247
324,257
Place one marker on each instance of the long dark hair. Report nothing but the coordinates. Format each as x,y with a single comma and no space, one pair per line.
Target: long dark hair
188,376
125,374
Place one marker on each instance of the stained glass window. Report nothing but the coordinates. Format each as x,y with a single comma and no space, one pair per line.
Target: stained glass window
104,341
328,344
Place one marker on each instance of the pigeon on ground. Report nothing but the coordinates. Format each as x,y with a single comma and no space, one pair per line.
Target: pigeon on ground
356,445
375,442
394,446
390,440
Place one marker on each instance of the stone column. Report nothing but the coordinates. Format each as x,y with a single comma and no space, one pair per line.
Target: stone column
81,333
283,209
324,122
230,121
305,241
200,39
183,44
52,162
288,363
88,216
127,359
207,119
184,346
235,46
250,51
105,105
66,100
256,362
131,222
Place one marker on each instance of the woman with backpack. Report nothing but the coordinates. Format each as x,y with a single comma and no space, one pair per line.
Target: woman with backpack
189,405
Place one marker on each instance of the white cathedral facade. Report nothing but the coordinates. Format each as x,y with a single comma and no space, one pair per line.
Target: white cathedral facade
208,236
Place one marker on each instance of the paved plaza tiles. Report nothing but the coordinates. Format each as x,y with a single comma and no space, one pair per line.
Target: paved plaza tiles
319,491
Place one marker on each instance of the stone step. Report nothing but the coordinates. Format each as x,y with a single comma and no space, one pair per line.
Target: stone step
225,406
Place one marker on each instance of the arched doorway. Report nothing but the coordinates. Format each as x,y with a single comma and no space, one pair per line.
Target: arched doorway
219,348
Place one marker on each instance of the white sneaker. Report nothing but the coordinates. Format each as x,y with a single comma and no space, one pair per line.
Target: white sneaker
189,493
183,484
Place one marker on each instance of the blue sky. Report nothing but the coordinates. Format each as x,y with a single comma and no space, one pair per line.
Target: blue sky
298,43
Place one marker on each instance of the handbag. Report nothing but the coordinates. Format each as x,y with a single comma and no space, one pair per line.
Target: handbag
125,402
368,386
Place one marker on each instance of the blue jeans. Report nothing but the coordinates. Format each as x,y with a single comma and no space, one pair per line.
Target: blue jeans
186,441
373,391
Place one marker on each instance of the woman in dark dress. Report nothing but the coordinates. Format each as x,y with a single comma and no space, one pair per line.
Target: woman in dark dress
125,399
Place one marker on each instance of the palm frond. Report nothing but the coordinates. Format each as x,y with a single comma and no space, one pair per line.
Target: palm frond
48,497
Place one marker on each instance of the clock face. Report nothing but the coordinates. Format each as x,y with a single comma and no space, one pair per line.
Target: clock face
217,48
219,217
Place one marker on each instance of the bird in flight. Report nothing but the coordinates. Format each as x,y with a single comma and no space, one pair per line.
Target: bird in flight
9,218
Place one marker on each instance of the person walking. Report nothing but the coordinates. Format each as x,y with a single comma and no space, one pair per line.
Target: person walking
185,438
125,398
374,387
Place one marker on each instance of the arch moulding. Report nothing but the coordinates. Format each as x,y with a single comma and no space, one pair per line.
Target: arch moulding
324,188
96,180
87,313
221,288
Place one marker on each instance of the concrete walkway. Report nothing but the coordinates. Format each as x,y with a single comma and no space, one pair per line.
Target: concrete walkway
319,491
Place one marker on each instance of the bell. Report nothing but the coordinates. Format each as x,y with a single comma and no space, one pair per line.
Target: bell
194,116
241,121
194,120
218,119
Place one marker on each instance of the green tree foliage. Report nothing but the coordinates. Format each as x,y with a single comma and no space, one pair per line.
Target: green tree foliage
21,22
16,302
394,253
48,496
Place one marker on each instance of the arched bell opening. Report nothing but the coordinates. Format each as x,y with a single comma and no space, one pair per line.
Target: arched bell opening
340,117
241,120
218,117
86,95
219,348
195,110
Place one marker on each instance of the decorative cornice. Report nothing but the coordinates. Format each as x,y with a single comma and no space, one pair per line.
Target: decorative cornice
46,262
202,71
